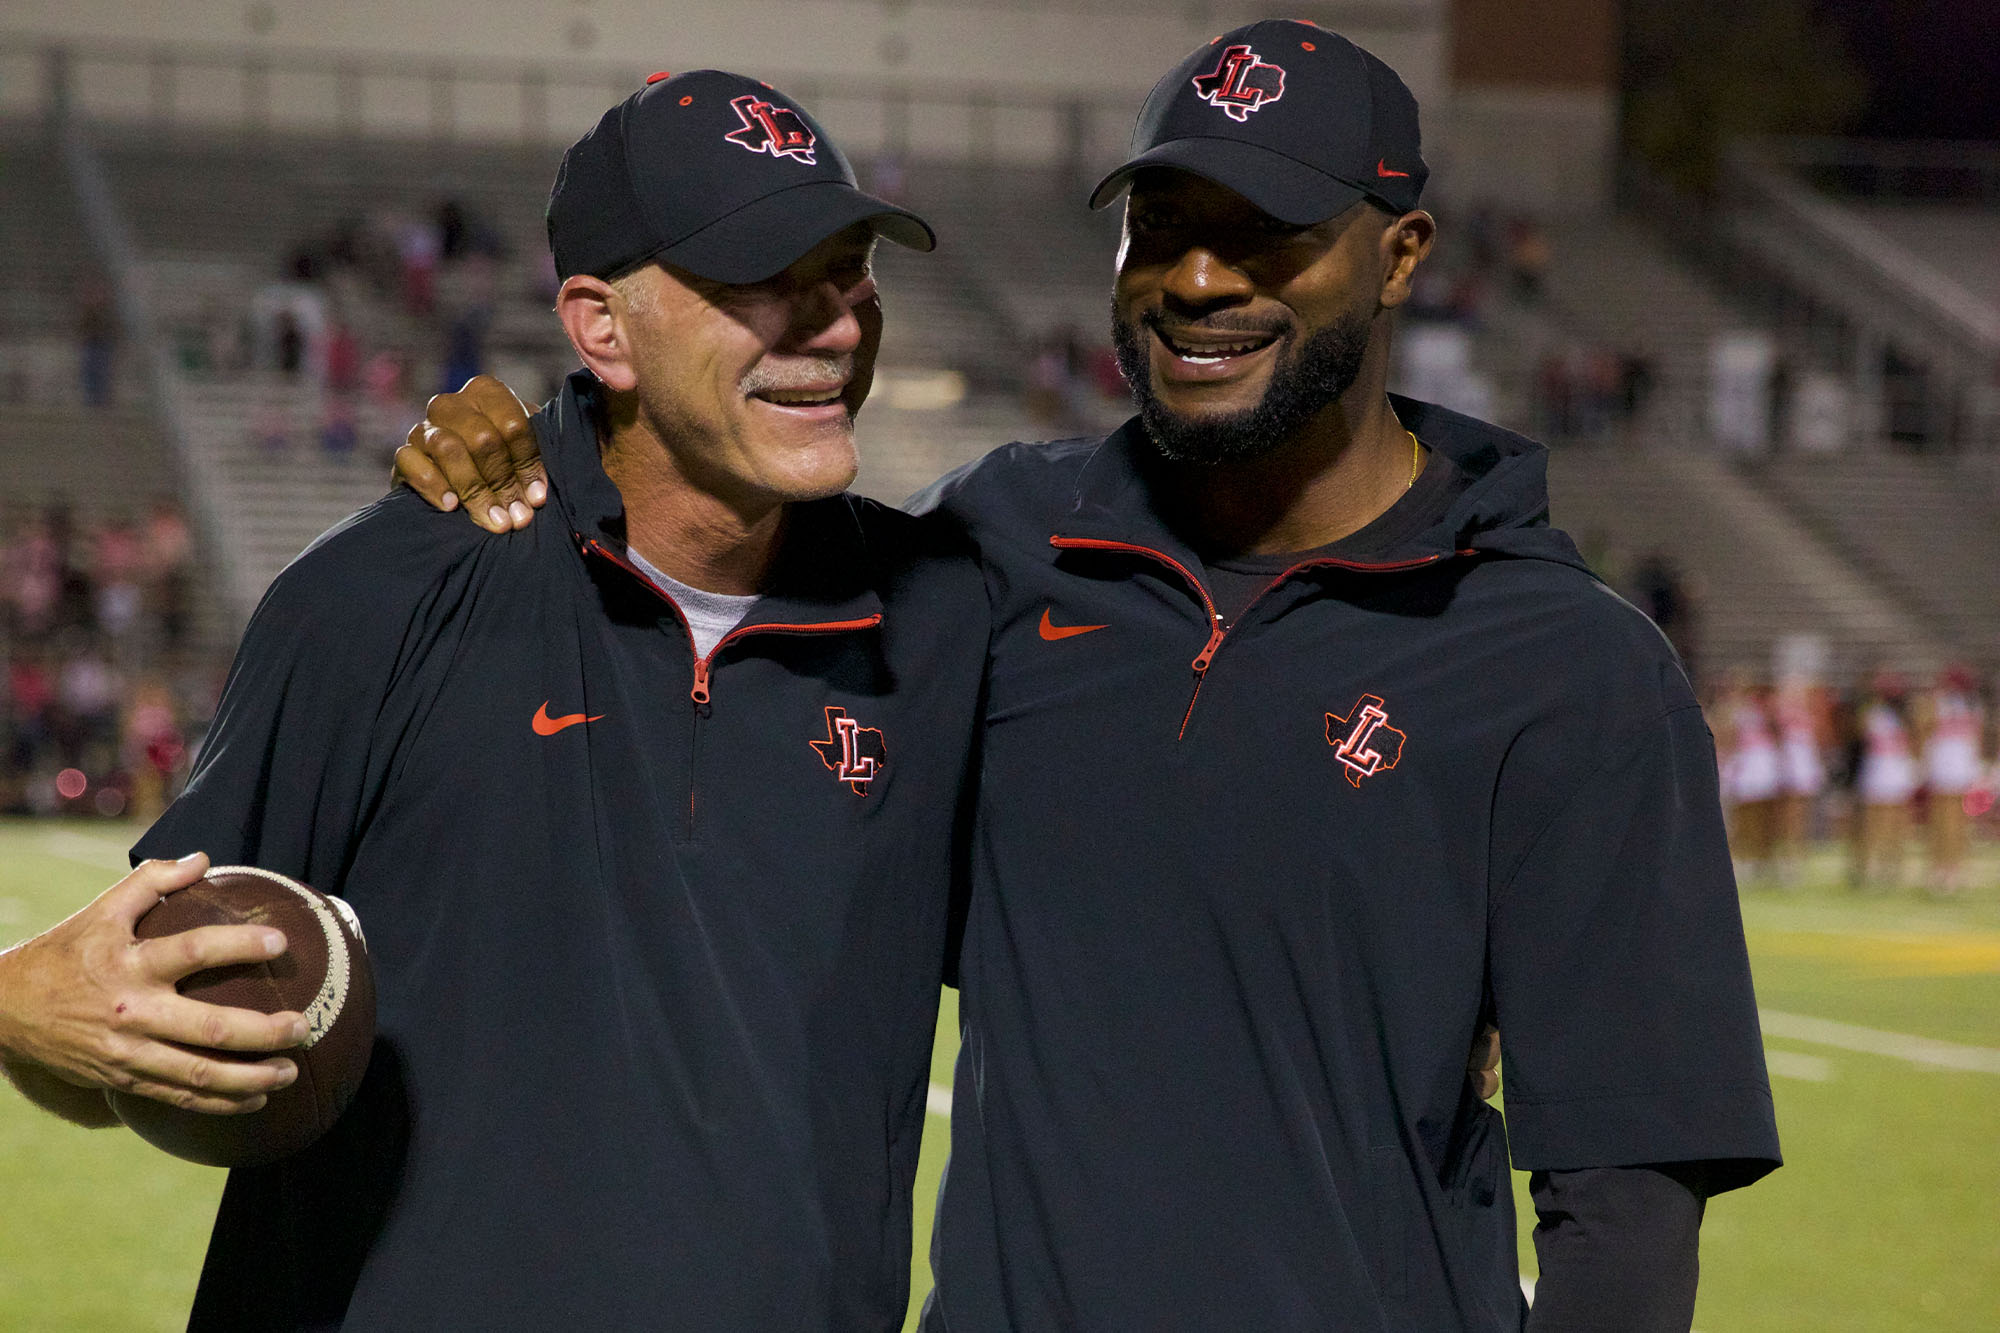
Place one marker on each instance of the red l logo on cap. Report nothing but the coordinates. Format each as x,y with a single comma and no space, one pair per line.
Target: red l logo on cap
769,128
1240,83
1382,168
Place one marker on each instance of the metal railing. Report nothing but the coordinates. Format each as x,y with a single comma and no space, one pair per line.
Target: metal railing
1902,314
1941,170
111,238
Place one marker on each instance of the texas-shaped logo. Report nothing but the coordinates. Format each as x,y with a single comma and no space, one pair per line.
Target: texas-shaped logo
854,753
770,128
1363,741
1240,83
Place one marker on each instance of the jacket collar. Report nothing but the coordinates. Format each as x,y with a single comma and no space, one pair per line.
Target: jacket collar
826,570
1505,511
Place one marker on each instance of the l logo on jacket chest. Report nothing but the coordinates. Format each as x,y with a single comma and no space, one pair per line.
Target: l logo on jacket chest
1363,741
856,754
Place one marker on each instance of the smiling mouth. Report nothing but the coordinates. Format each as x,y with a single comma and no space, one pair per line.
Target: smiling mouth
1212,349
813,397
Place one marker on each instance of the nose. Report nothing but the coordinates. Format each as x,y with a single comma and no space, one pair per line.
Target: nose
1201,278
824,320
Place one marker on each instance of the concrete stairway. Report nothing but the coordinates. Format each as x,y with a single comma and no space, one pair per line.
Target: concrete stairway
1757,572
1614,283
1914,525
1027,244
276,500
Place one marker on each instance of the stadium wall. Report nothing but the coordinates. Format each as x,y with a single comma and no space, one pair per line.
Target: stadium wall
1017,82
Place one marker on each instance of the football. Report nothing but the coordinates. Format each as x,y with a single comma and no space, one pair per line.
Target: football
324,973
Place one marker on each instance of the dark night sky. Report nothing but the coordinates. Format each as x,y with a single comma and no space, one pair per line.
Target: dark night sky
1933,65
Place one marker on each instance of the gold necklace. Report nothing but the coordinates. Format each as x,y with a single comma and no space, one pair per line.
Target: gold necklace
1416,459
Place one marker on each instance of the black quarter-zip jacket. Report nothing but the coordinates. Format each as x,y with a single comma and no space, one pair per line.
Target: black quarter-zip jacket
1241,899
658,940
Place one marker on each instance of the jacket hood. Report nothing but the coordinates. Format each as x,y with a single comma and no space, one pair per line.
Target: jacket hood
1504,512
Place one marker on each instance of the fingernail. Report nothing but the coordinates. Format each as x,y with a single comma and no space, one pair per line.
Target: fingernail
450,501
274,943
289,1075
183,860
497,516
537,492
520,514
300,1032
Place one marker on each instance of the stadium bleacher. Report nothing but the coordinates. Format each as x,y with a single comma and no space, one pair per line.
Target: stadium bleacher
217,217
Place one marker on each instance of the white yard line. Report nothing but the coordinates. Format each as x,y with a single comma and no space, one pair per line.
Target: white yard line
1926,1051
1797,1064
938,1100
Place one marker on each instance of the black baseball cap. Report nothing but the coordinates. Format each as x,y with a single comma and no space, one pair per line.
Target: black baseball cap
712,172
1298,120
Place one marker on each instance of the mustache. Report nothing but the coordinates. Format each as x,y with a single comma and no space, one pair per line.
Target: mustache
807,372
1221,321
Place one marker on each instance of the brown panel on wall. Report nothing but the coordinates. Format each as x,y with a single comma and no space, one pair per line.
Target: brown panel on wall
1535,43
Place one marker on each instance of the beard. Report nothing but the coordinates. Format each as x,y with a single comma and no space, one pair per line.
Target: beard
1307,377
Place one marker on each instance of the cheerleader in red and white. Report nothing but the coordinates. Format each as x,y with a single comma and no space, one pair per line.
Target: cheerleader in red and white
1952,723
1748,752
1887,781
1800,715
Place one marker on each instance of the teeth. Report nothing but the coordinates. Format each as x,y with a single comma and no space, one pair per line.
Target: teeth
1213,353
798,397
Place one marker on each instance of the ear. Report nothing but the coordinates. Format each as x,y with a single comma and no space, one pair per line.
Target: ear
1405,242
593,315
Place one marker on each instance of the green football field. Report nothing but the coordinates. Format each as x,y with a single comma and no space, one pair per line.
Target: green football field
1882,1019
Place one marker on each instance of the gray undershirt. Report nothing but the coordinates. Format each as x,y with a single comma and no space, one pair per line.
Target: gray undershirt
710,615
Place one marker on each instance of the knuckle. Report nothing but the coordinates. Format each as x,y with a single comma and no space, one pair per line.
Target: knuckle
198,1075
214,1031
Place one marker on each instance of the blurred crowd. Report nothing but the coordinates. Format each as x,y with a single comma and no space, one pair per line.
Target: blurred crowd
1900,773
104,684
364,322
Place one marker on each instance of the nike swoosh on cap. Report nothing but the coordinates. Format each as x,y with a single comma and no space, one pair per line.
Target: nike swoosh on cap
1052,632
1382,168
545,725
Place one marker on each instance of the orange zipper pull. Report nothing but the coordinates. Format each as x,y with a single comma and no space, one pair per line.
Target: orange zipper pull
700,691
1208,649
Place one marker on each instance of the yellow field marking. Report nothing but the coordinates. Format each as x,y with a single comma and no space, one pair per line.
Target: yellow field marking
1889,953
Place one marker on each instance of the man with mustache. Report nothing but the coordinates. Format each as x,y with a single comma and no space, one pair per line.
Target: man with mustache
1309,746
649,815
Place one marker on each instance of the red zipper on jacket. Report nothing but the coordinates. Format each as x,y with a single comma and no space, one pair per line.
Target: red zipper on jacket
1216,630
699,693
703,664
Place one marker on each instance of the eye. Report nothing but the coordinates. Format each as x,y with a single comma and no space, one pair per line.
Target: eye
1277,228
